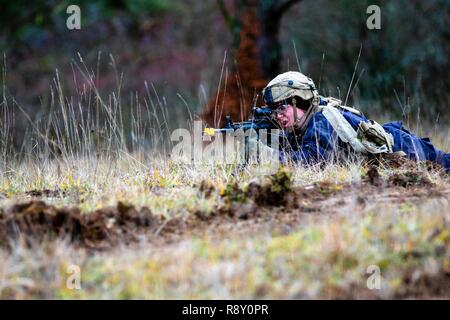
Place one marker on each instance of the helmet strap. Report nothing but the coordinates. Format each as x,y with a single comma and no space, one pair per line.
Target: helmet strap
294,104
309,113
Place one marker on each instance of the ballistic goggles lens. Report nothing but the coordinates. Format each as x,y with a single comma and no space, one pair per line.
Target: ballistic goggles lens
278,108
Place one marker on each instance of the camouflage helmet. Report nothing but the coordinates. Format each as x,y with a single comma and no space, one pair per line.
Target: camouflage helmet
288,85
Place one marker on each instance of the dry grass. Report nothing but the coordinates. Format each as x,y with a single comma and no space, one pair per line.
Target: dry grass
79,156
323,255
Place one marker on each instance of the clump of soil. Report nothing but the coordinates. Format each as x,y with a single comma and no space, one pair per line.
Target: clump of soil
398,161
374,176
36,221
239,210
410,179
274,190
423,285
207,188
233,193
391,160
431,166
245,202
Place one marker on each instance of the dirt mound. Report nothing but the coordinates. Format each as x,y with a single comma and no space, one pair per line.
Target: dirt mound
422,285
391,160
274,190
397,161
410,179
273,193
36,221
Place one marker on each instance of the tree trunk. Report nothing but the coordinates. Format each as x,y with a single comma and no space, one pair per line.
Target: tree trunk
256,55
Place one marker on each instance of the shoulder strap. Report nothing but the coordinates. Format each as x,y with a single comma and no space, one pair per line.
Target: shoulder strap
370,137
343,129
333,102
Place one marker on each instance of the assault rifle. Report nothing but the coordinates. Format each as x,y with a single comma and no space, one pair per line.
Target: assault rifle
261,119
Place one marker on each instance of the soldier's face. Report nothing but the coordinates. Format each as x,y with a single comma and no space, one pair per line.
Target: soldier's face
285,115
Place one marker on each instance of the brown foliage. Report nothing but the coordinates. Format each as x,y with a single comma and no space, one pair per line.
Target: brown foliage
246,79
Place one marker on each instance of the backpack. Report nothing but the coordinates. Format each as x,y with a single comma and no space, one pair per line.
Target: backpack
369,138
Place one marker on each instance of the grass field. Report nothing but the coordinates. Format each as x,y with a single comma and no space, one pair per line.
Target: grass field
167,231
134,224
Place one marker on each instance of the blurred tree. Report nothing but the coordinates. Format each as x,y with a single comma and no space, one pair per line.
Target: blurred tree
256,53
26,25
403,66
